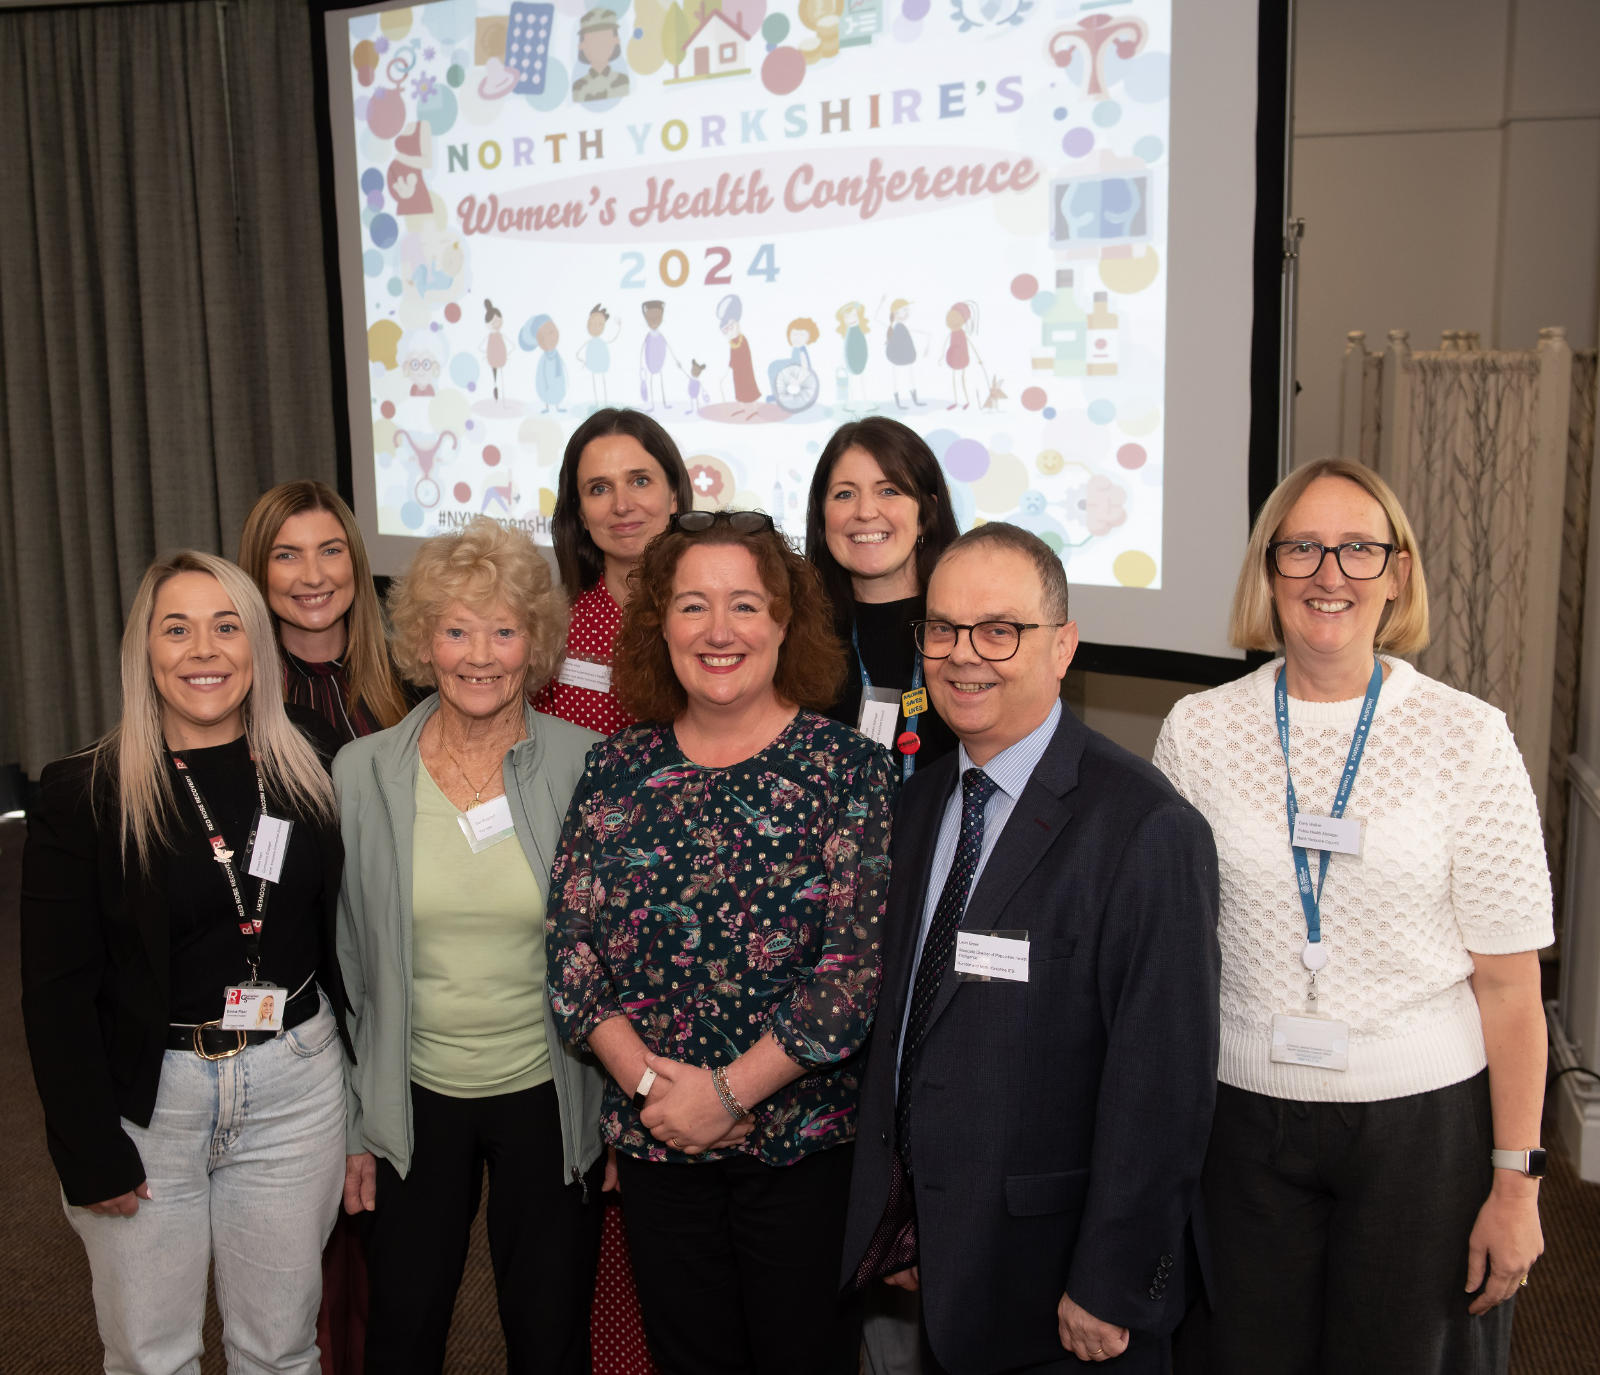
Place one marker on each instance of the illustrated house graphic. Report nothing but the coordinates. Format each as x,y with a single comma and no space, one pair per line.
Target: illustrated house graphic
716,48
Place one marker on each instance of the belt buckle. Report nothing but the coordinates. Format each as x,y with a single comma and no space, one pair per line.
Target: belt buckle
204,1054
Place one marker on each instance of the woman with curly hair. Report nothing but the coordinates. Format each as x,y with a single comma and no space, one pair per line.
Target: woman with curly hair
450,822
713,937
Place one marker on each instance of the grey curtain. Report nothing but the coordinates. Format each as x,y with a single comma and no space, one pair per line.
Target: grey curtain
164,351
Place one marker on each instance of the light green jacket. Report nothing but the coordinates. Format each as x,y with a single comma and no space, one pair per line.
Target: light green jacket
376,782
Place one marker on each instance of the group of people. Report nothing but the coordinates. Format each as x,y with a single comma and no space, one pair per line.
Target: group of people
913,1021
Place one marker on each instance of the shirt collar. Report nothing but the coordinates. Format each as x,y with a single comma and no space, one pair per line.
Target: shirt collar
1013,766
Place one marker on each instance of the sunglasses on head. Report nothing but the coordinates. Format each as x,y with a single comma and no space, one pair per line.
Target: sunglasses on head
740,522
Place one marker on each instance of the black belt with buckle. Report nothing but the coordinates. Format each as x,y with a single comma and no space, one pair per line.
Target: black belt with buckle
210,1042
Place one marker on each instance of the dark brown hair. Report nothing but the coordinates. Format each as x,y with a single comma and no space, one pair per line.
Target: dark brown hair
577,555
907,462
811,660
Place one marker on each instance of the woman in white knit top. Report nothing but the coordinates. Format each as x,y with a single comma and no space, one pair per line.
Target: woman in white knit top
1378,1044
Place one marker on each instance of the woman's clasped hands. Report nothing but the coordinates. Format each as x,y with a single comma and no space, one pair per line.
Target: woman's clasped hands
684,1111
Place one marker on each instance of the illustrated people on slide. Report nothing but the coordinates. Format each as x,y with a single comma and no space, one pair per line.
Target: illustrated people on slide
500,496
740,361
901,351
550,378
598,46
421,368
594,353
494,347
853,327
801,332
653,355
698,395
960,351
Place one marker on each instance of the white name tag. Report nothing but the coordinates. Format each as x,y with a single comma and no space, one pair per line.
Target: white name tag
271,847
1340,834
253,1007
582,673
487,824
880,714
980,955
1318,1041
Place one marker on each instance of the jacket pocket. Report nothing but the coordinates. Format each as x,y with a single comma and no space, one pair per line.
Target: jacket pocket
1036,1195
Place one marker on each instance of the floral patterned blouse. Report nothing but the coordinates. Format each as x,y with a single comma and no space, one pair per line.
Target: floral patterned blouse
712,906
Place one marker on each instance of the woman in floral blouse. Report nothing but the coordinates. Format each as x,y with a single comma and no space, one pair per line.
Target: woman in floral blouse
714,938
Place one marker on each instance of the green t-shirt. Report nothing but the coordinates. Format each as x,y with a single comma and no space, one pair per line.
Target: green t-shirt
478,972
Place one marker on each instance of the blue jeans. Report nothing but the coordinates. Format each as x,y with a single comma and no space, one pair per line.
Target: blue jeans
245,1162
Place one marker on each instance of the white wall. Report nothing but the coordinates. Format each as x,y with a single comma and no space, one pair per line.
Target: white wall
1447,163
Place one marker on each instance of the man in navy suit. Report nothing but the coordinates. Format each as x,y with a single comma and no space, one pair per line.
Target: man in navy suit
1039,1088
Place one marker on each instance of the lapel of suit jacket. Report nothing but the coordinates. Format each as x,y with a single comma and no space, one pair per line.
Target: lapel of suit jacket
916,829
1040,815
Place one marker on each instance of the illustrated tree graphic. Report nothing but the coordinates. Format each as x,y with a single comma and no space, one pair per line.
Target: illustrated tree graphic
675,31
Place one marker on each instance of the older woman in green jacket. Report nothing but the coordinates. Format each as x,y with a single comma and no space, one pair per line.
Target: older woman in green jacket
451,820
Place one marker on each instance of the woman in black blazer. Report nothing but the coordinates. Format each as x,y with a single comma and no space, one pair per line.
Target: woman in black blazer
177,874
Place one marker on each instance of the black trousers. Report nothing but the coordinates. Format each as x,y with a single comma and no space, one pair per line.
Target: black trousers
1339,1235
544,1235
737,1264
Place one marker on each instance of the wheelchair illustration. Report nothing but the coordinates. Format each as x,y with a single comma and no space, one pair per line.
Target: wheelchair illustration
796,387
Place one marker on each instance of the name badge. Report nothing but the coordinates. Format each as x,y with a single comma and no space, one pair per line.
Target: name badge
253,1007
488,824
987,955
582,673
1341,834
271,847
913,702
880,714
1317,1041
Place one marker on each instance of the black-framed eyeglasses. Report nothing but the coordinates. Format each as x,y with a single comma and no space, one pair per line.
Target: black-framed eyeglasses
740,522
1358,559
995,641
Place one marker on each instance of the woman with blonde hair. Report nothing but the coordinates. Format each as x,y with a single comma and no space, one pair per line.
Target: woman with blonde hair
303,547
1371,1189
177,875
452,819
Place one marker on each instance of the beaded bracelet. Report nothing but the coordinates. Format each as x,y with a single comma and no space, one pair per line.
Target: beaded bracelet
736,1109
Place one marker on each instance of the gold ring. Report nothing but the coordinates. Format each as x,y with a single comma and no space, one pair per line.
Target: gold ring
673,1142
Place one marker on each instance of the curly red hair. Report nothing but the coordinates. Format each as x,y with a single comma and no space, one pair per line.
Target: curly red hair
811,660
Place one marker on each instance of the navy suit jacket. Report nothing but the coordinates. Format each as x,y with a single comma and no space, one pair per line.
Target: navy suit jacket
1059,1125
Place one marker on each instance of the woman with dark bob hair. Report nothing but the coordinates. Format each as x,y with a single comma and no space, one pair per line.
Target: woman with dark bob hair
713,937
450,821
621,480
877,519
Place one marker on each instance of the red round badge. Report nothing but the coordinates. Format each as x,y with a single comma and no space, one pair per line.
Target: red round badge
908,742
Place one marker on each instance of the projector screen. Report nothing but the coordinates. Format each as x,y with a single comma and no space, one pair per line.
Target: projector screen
1023,227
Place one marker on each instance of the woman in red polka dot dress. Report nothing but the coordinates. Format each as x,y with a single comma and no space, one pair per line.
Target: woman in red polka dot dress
621,479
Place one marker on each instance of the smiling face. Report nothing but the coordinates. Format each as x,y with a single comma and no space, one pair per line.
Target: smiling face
624,499
871,525
991,706
1329,621
199,661
719,629
480,660
311,584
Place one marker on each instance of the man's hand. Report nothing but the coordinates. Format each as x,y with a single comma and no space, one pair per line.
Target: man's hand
1085,1336
909,1279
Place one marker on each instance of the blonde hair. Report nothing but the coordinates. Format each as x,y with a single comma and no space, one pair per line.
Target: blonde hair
1253,623
133,752
861,317
480,566
366,656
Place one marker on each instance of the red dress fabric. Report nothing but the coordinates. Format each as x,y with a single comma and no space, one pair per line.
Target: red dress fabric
616,1330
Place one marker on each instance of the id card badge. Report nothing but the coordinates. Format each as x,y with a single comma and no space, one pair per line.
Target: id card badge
487,824
1340,834
880,714
253,1007
271,847
992,956
1317,1041
585,674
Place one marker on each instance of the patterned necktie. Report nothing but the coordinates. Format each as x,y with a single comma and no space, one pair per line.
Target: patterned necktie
976,789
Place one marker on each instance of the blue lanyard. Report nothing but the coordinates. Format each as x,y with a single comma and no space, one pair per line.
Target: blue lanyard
908,764
1311,901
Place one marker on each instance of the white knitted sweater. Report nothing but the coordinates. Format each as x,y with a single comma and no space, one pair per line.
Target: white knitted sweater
1453,861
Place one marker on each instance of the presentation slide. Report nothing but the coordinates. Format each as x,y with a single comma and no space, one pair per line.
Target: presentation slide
994,220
